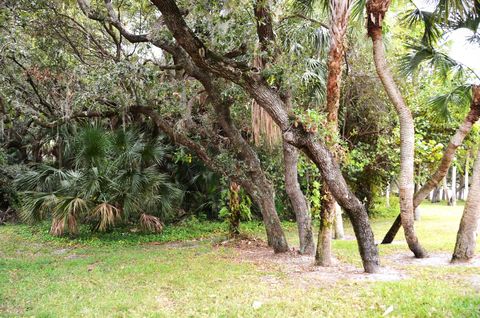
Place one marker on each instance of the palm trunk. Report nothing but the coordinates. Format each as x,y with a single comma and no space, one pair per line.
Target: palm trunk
467,233
340,11
376,11
442,170
297,199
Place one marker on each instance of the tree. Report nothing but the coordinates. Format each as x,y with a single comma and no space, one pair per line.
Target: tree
469,224
339,15
269,99
376,10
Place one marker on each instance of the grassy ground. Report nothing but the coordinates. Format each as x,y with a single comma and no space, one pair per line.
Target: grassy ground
130,275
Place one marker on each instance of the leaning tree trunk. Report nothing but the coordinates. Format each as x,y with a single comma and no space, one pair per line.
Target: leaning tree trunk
467,233
442,170
266,36
340,11
299,203
376,10
299,136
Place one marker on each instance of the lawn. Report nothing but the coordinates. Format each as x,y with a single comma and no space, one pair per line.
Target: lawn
188,272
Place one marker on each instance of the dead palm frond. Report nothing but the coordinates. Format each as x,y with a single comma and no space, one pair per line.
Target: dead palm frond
150,223
106,214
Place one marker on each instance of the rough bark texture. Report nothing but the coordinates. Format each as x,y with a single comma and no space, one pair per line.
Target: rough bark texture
323,256
266,37
376,10
467,233
270,100
299,203
339,10
448,155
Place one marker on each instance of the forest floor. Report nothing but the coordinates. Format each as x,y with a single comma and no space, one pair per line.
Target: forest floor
192,270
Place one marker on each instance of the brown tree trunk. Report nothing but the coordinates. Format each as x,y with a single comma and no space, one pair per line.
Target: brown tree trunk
340,11
467,233
376,10
234,207
323,256
298,136
266,37
442,170
299,203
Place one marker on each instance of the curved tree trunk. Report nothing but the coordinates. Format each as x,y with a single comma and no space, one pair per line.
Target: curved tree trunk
376,10
299,203
266,37
448,155
340,11
271,101
467,233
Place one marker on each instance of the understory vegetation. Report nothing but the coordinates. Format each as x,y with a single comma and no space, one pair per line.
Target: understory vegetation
242,158
187,271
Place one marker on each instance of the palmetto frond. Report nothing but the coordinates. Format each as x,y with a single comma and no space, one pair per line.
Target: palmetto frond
459,97
432,28
106,215
419,54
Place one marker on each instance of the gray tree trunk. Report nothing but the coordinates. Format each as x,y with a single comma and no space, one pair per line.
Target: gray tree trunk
376,10
297,199
467,233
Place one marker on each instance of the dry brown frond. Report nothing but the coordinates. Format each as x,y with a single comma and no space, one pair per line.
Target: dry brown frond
150,223
107,215
58,227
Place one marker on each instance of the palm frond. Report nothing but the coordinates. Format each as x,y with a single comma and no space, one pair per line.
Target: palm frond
106,215
459,97
150,223
432,28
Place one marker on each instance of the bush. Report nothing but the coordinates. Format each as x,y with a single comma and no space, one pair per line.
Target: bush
380,209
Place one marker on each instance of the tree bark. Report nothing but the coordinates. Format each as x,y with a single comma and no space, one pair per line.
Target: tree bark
467,232
299,136
376,10
266,37
299,203
323,256
442,170
339,11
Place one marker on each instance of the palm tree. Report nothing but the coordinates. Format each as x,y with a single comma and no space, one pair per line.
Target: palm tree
376,10
446,17
115,177
467,233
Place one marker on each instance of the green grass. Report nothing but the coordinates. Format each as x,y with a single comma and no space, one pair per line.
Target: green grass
124,274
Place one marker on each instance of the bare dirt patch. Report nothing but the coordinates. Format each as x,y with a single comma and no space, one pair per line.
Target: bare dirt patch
300,269
434,259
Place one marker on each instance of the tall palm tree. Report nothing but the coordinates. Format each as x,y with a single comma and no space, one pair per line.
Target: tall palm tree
339,15
376,10
467,232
